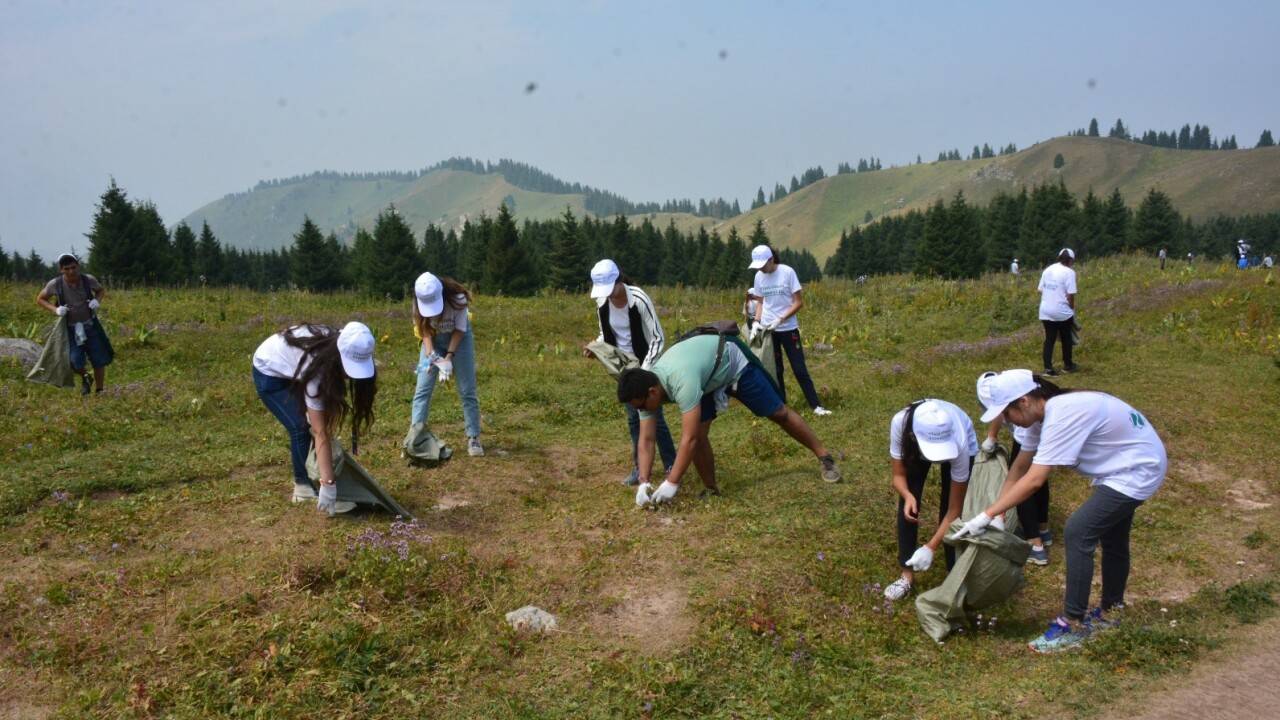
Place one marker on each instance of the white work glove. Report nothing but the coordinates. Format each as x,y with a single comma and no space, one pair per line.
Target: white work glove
328,499
976,526
642,494
768,327
62,310
988,445
997,522
445,366
93,304
921,560
755,333
666,491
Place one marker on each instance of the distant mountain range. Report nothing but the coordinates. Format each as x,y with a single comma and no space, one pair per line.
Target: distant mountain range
1201,183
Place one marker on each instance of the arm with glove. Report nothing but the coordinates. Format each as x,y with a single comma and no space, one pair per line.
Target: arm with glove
1010,496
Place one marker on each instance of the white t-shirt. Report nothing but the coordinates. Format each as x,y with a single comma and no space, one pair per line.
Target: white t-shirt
778,290
1013,267
1103,438
1056,283
961,426
276,358
620,321
452,318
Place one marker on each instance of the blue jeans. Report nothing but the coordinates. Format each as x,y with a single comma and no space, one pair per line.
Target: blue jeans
277,395
666,448
464,374
94,346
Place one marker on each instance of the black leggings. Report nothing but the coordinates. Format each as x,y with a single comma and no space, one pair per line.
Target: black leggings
1060,330
1034,511
909,532
789,340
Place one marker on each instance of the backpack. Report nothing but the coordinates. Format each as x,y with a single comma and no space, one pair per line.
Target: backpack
723,328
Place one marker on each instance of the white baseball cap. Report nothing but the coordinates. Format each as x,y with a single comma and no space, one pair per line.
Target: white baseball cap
935,432
984,388
604,275
1002,389
429,292
355,346
1070,253
760,255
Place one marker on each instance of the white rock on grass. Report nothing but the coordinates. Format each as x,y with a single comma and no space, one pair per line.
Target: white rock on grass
531,619
26,351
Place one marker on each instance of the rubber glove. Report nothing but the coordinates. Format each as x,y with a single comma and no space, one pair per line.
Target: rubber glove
666,492
998,522
642,494
770,326
445,366
93,304
976,526
921,560
62,310
328,499
756,329
988,445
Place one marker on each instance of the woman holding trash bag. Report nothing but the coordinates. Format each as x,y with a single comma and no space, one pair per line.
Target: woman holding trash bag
1104,439
629,321
923,433
316,367
442,325
779,294
1033,513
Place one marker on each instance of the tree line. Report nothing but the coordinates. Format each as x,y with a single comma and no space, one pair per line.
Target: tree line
958,240
1197,137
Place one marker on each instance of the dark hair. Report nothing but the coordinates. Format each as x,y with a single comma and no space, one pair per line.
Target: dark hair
1065,258
774,253
66,259
325,365
451,289
1045,389
910,446
634,384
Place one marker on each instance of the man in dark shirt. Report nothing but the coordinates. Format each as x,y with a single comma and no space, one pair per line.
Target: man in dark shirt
78,296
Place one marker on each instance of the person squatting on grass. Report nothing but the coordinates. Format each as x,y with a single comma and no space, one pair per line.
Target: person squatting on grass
79,295
629,322
312,366
1033,513
923,433
1104,439
691,374
441,324
778,289
1058,308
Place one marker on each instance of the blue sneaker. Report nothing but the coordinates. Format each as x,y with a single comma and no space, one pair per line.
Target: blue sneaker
1038,556
1046,537
1059,637
1095,622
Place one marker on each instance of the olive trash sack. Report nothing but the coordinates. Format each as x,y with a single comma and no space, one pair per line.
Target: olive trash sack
354,482
422,448
54,364
988,569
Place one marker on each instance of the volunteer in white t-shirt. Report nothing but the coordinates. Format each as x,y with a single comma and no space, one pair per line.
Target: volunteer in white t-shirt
629,321
939,433
1103,438
1033,513
1058,308
1013,266
301,376
778,289
442,324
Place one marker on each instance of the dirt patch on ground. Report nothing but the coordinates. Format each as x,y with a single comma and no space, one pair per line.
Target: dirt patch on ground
23,710
1241,492
451,502
649,613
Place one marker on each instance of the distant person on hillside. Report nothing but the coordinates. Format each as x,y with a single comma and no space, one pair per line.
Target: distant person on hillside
1058,308
1033,513
923,433
1242,252
302,375
447,346
1013,267
699,375
1104,439
78,296
1163,254
778,289
1268,262
629,321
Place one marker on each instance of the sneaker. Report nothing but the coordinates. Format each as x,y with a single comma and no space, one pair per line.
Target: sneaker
1050,372
1095,622
474,448
830,473
1059,637
631,480
1046,537
821,411
1038,556
898,589
85,384
1071,368
303,493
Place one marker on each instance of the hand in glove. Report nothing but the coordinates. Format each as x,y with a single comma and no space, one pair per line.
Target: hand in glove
976,526
666,492
921,560
328,500
769,327
445,366
642,494
989,445
756,330
997,522
62,310
93,304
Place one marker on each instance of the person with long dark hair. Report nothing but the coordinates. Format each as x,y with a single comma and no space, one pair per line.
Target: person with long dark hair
1058,309
921,434
1103,438
448,346
780,297
311,377
629,321
1033,513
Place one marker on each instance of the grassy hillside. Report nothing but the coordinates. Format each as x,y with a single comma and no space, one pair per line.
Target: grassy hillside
155,567
1200,183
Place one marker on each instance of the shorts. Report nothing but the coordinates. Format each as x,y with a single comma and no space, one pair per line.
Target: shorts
94,343
753,389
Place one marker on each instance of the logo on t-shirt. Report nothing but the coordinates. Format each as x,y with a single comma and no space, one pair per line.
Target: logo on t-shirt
1137,420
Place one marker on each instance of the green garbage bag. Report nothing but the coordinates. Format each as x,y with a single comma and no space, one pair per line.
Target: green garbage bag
422,447
54,365
988,567
614,360
762,349
355,484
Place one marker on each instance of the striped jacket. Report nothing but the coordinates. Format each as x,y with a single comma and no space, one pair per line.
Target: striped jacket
647,339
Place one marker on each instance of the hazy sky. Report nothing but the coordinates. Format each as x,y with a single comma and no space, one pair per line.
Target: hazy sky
183,102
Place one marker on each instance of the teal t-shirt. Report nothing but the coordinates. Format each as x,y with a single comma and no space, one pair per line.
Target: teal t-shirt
684,370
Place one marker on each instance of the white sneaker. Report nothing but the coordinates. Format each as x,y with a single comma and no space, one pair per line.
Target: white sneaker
474,448
303,493
821,411
898,589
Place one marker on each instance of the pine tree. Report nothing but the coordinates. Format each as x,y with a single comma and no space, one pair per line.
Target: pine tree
1119,131
1058,161
759,201
671,271
1265,140
795,184
1156,223
473,249
363,266
1003,220
310,265
184,253
1047,223
567,265
109,245
506,269
149,258
733,261
933,254
1093,127
435,253
395,255
6,267
209,257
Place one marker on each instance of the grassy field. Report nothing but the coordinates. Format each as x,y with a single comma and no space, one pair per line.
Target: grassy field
155,568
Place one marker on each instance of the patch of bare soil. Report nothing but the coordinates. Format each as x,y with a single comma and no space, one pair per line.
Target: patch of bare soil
23,710
1230,684
451,502
1243,492
649,613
